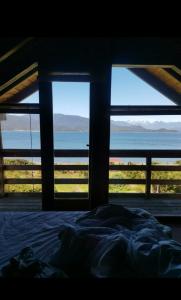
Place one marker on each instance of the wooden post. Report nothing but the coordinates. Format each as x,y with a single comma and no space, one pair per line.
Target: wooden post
47,148
148,177
100,93
1,167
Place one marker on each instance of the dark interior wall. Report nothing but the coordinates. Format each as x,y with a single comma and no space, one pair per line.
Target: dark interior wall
18,61
84,52
7,43
73,54
81,54
146,50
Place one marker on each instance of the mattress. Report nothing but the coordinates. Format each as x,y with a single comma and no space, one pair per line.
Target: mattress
107,242
36,229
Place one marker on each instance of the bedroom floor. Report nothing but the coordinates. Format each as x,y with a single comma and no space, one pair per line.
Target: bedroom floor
158,207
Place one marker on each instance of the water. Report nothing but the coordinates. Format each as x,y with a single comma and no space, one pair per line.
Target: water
79,140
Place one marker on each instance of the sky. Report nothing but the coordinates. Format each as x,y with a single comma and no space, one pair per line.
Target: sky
126,89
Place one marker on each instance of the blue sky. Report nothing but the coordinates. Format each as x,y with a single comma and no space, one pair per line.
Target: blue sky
127,89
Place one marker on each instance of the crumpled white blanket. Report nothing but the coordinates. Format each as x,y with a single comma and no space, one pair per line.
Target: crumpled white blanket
114,242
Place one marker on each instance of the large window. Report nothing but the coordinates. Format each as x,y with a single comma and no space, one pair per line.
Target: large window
50,147
20,143
144,148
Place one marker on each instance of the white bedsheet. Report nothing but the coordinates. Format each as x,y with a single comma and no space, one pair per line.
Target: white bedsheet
110,241
36,229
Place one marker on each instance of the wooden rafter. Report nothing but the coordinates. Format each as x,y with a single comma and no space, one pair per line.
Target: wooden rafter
27,79
18,62
167,77
19,88
21,95
18,78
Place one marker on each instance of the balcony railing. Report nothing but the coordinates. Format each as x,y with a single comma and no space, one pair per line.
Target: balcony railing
148,168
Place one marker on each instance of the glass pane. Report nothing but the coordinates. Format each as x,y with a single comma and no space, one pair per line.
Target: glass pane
71,132
126,174
145,132
20,131
12,171
129,89
34,98
21,174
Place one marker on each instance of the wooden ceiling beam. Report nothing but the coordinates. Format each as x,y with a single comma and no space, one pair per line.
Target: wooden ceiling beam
17,63
174,73
28,91
19,78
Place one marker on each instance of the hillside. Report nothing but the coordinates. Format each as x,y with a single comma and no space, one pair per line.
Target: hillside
75,123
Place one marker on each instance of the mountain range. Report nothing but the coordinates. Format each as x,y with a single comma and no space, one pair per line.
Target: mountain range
78,123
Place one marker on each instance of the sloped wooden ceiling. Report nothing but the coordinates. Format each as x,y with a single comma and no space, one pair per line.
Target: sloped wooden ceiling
169,79
21,85
19,67
19,88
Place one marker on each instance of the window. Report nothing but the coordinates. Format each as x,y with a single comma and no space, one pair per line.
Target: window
20,141
144,125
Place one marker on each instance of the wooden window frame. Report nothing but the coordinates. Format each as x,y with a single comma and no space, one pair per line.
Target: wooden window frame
100,91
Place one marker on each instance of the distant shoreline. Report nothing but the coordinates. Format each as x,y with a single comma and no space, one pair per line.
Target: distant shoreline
113,131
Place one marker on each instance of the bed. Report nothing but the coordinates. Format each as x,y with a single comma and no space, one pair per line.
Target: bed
108,242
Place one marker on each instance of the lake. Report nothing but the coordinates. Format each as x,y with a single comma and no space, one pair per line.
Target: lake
79,140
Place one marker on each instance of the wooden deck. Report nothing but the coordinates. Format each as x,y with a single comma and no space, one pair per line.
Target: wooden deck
158,207
20,204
